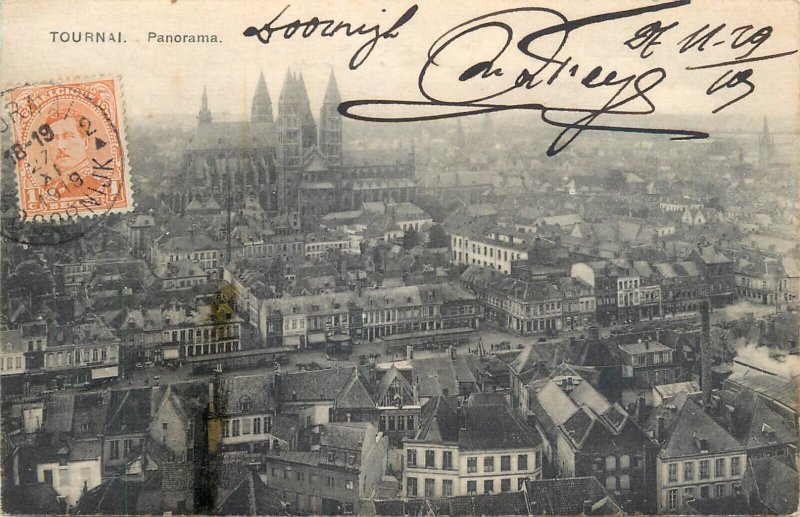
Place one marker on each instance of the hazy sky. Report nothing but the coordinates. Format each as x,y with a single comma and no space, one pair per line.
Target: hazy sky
168,78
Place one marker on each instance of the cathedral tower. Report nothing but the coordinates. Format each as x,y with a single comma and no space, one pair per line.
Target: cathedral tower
261,110
204,116
308,127
330,125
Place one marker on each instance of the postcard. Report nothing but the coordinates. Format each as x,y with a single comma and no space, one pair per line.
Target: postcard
414,257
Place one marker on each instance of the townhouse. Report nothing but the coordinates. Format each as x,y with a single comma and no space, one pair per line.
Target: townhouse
586,435
458,450
516,305
336,476
496,250
698,458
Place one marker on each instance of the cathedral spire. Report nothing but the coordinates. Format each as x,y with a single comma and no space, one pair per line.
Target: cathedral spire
204,116
330,125
765,145
332,91
261,110
288,90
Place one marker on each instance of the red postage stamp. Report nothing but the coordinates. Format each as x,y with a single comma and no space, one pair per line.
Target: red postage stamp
69,149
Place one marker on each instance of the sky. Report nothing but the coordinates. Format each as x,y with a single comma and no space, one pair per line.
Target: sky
161,79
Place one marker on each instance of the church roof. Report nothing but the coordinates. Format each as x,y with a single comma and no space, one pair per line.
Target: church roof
217,136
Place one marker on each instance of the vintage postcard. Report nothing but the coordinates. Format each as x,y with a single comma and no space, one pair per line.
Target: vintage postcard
510,257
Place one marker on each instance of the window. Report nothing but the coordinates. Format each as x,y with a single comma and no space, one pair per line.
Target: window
472,464
447,460
411,489
522,462
332,482
735,466
624,461
488,486
236,427
472,487
704,469
430,459
611,462
63,477
505,485
597,464
719,467
688,493
672,472
611,483
447,487
114,450
624,482
688,471
672,499
411,457
719,490
505,463
430,487
488,464
257,425
705,492
348,484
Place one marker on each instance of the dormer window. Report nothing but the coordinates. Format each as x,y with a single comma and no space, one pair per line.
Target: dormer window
244,403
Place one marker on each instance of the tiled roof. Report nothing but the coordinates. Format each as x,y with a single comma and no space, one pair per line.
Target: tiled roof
439,421
342,435
691,425
567,496
254,391
495,427
251,496
776,483
754,423
355,394
129,411
115,496
508,503
314,385
770,386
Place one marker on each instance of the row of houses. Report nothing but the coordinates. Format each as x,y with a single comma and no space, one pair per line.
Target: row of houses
364,314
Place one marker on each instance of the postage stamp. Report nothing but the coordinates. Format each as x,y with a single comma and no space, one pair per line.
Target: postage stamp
69,149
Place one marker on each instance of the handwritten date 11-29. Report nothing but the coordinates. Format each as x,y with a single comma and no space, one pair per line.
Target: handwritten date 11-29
735,77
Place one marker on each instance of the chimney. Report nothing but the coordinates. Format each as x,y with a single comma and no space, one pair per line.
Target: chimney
705,352
639,409
661,431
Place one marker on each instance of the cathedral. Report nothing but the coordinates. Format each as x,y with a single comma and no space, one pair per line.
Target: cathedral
292,162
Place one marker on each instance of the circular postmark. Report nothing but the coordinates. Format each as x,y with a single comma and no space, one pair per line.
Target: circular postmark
66,152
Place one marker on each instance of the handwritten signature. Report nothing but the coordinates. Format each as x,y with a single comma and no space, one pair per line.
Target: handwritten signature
456,84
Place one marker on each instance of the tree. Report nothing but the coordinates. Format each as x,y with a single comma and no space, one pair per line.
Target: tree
437,237
410,238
